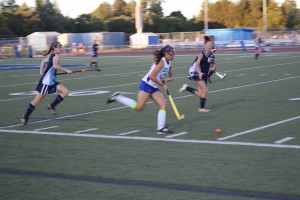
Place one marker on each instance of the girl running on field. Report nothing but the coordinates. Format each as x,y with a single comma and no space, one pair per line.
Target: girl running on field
199,73
149,87
47,83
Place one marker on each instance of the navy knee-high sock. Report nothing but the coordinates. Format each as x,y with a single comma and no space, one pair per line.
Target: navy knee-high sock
190,89
56,101
29,110
202,102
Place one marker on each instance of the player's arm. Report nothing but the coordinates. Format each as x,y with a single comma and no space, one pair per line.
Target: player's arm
198,67
58,67
170,74
43,65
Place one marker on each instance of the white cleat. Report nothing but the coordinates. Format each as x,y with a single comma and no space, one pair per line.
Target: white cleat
204,110
183,88
112,98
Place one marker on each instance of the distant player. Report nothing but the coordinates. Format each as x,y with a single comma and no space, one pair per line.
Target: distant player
213,69
94,62
149,87
47,83
199,73
258,46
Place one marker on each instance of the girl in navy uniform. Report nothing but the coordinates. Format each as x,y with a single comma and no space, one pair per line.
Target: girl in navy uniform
47,83
149,87
94,55
199,73
213,69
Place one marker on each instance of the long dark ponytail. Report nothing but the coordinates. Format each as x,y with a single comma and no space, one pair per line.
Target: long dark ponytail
159,54
53,45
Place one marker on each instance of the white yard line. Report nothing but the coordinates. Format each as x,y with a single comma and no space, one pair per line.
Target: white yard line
127,133
284,140
46,128
116,108
258,128
294,99
175,135
87,130
154,139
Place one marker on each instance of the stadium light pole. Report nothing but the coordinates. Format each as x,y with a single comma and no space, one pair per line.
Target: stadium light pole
265,26
205,16
139,22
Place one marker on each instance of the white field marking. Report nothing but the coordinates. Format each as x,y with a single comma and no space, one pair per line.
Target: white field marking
127,133
249,68
116,108
87,130
263,75
46,128
175,135
241,75
175,97
66,116
259,128
68,79
125,74
284,140
294,99
154,139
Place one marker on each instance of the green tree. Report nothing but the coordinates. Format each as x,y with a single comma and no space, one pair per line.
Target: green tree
85,23
289,11
119,8
121,24
103,12
177,14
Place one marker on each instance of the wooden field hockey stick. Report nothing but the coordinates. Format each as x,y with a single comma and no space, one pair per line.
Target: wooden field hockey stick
77,71
179,117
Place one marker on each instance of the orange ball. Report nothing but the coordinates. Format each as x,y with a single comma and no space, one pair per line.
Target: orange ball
218,131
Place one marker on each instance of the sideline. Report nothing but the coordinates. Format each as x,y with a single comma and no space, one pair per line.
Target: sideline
154,139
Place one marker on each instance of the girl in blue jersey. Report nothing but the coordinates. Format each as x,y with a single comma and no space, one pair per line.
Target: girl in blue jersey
94,55
149,87
199,73
47,83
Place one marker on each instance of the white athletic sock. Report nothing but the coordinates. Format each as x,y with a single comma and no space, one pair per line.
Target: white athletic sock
219,75
126,101
161,119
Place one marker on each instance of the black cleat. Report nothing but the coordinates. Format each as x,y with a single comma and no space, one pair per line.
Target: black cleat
112,98
24,120
51,110
209,79
164,130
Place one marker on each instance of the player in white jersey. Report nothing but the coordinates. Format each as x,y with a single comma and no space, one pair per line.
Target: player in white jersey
149,87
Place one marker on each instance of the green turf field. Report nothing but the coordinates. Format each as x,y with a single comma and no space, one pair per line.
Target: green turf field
96,151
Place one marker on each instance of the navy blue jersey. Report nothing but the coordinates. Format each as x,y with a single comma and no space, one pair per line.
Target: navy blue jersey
94,50
205,62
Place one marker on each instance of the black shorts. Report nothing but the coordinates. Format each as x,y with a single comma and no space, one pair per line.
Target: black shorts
47,89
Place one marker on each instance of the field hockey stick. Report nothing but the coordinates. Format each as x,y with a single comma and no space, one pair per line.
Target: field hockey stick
179,117
77,71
